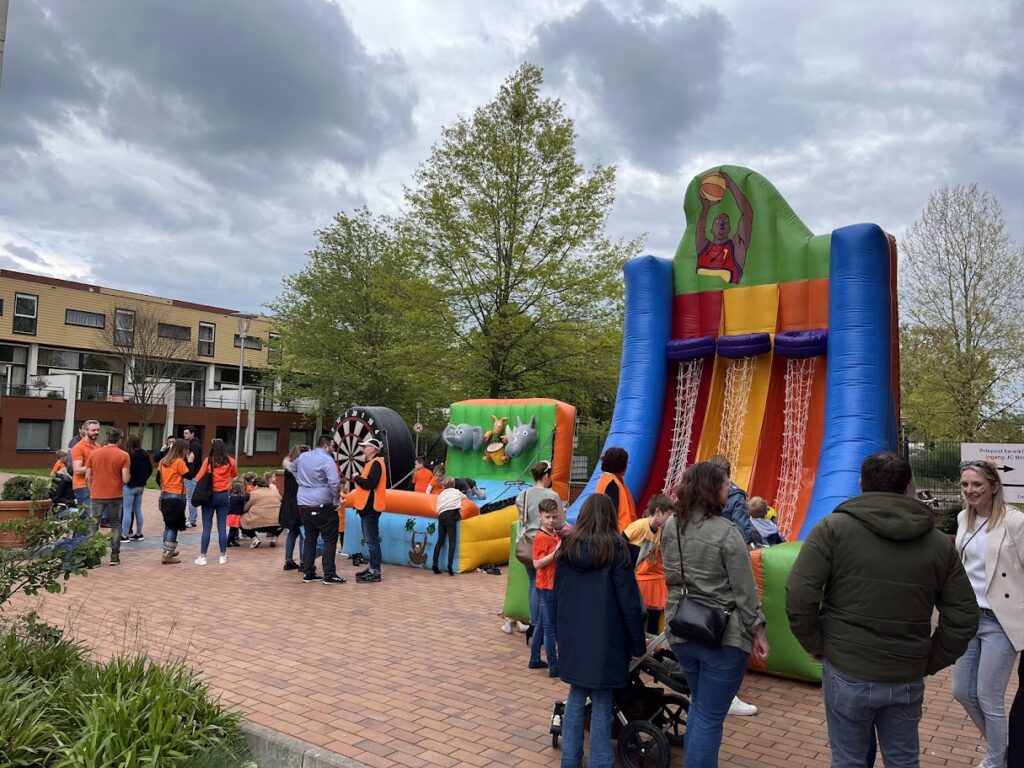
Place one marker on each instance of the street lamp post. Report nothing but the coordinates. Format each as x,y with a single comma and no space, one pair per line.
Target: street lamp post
419,425
243,334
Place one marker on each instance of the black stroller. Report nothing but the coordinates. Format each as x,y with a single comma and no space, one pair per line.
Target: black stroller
648,719
61,492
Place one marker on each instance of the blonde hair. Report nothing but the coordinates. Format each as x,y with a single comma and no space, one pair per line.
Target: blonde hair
987,469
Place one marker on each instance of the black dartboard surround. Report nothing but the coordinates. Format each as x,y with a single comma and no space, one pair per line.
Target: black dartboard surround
360,422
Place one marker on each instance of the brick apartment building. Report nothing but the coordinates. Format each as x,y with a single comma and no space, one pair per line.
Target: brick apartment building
63,353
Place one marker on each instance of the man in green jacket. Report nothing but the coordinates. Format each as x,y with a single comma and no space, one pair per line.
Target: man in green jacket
861,596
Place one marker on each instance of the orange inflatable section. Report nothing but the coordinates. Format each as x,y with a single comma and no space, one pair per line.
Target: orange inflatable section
561,455
418,504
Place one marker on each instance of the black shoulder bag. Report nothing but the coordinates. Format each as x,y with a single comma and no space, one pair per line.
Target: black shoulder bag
694,620
202,494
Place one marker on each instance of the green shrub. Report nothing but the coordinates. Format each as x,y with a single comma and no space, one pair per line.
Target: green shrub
19,488
945,518
60,710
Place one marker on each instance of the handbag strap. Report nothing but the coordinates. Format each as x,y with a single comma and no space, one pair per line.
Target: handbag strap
679,544
522,512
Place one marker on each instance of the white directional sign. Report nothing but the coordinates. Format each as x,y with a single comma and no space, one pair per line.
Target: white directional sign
1009,460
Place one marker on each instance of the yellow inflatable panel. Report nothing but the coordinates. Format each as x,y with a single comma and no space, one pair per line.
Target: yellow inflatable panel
484,539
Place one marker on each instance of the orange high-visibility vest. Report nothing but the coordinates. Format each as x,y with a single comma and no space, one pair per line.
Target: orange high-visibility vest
627,510
359,496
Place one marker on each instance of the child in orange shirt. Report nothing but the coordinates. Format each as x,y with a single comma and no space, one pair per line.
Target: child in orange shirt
61,464
645,534
421,477
545,545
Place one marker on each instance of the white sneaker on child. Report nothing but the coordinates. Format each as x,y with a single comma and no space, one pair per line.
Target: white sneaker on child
507,627
201,560
223,559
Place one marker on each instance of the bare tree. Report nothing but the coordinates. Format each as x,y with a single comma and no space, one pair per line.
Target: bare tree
961,298
154,353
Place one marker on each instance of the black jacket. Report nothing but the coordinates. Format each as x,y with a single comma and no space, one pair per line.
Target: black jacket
289,516
196,449
599,621
140,468
865,584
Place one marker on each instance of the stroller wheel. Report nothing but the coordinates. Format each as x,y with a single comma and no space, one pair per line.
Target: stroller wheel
642,744
672,718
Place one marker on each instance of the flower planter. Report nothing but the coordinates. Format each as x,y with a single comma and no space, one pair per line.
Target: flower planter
16,510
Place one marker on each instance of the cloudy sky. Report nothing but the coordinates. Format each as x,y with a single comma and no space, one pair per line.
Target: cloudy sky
191,148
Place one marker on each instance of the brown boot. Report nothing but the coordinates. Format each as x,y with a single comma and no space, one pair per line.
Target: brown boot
168,559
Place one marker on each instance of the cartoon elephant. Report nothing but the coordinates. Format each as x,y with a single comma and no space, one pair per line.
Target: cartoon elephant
463,437
522,438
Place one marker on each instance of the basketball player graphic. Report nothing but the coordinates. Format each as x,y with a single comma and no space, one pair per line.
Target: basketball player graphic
722,256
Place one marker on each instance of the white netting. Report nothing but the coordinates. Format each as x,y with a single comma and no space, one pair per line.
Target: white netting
739,375
799,380
687,387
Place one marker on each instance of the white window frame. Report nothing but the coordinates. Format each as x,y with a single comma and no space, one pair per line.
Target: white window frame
82,318
212,341
34,317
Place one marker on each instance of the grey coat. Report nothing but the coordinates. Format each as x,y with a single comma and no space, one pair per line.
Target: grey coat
717,572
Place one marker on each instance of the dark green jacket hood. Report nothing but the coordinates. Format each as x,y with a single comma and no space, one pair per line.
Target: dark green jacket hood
889,515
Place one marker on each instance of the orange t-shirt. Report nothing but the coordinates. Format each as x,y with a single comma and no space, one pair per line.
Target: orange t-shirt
223,474
421,479
543,545
172,476
80,453
58,465
106,464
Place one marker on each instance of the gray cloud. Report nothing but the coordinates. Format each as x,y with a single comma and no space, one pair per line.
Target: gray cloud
24,253
650,79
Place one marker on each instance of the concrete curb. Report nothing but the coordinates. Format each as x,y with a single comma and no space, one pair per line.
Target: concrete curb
271,749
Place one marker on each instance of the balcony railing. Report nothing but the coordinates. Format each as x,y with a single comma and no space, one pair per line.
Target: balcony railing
26,390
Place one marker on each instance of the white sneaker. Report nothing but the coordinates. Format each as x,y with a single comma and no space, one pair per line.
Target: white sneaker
507,627
522,627
255,542
223,559
741,708
201,560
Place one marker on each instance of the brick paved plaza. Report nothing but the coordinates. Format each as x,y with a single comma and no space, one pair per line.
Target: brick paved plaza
412,671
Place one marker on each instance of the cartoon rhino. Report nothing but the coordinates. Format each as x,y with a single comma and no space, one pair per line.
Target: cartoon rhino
522,438
463,437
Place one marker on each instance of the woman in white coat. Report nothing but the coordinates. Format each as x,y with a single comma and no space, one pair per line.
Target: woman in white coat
990,540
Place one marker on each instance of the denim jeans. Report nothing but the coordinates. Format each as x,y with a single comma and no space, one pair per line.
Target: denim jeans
980,678
601,755
82,501
544,630
193,513
132,510
853,707
289,544
218,504
714,676
109,509
371,533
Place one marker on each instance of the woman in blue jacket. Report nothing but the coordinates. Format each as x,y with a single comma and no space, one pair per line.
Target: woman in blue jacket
599,621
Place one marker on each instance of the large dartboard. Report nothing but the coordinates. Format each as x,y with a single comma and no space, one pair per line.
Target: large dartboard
360,422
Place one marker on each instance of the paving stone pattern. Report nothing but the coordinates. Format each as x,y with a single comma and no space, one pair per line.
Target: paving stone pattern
412,671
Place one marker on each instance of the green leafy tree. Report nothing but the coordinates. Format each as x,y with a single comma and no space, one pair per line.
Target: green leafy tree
360,325
511,224
962,367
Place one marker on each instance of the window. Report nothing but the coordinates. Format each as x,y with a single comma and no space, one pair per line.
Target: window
152,440
227,434
266,441
1,307
251,342
299,437
85,319
274,353
207,339
36,435
179,332
26,311
124,328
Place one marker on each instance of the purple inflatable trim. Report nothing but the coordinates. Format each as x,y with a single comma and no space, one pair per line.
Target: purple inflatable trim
744,345
681,350
801,344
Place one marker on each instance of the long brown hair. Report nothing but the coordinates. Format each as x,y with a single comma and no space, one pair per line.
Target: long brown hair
179,450
218,453
596,533
699,492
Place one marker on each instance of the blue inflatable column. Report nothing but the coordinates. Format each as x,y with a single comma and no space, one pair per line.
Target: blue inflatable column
859,408
642,375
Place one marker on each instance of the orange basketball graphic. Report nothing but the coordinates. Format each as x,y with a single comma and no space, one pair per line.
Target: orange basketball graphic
712,187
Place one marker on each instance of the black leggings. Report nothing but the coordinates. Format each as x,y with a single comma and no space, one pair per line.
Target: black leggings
447,528
653,620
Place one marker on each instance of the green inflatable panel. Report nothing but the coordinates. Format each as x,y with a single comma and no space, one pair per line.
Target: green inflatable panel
788,658
517,587
472,464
